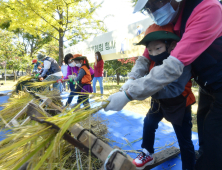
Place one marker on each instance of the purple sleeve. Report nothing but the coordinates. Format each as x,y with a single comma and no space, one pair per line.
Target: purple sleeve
69,72
75,70
91,70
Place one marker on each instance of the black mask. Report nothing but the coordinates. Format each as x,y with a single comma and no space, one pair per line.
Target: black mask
158,59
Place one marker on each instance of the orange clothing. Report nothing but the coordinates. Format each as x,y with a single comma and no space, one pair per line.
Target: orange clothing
87,77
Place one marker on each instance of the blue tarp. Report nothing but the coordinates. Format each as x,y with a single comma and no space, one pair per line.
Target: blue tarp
3,99
127,127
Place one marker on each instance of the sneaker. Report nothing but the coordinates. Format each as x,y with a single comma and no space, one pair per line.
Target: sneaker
143,159
101,97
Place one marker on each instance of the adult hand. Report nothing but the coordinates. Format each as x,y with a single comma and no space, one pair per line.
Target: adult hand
117,101
59,81
72,76
126,85
41,78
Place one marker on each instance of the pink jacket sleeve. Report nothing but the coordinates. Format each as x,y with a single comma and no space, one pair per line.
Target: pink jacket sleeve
202,28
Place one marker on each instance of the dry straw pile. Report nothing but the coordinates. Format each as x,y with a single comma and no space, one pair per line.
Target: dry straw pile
41,146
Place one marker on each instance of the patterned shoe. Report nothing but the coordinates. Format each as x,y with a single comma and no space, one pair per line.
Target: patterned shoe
143,159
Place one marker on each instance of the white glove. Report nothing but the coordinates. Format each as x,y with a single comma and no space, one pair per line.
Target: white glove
126,85
117,101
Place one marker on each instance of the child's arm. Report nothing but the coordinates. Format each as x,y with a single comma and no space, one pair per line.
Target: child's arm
140,69
175,88
80,75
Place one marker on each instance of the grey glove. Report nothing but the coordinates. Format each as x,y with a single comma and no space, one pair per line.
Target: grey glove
159,76
126,85
117,101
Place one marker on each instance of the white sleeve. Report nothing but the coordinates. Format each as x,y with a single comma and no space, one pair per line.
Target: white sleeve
141,68
159,76
47,64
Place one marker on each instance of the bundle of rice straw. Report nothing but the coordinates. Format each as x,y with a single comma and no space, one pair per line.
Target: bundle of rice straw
40,145
15,104
20,82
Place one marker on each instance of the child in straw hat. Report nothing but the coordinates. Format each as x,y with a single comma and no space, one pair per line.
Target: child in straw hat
173,102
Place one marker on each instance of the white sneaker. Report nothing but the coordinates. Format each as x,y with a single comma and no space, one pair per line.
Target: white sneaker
143,159
101,97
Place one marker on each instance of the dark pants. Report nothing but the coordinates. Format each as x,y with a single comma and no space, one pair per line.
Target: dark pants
183,133
209,121
72,93
84,98
81,98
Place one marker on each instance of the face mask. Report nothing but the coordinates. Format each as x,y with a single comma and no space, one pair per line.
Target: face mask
158,59
63,63
72,64
164,15
78,65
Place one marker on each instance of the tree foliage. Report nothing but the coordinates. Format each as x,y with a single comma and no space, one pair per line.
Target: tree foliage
55,18
9,53
119,67
30,43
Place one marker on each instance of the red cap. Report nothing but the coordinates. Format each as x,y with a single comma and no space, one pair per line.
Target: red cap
34,61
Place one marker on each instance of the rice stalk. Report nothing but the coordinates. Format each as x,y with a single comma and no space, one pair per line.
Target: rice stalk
15,104
40,84
37,143
23,78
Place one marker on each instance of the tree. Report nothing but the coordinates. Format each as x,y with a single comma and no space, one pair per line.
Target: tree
55,18
52,49
30,43
118,67
10,56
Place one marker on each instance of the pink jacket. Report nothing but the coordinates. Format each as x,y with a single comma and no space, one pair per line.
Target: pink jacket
202,28
98,69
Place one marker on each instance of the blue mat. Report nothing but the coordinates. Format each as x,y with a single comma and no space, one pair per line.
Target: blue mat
127,127
3,99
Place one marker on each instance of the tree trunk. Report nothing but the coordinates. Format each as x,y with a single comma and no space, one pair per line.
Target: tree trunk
61,35
31,53
60,47
5,72
117,78
14,74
